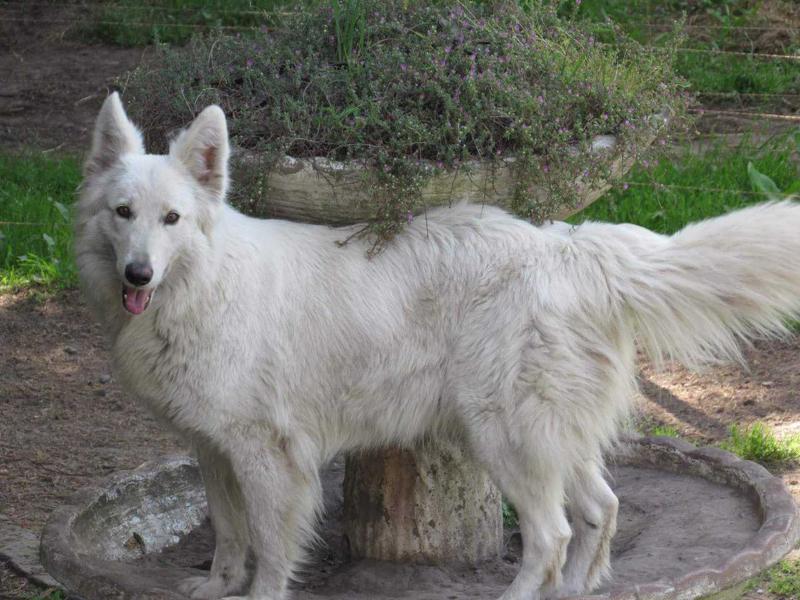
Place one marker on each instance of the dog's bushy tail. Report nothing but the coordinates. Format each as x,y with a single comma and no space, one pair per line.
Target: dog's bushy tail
694,296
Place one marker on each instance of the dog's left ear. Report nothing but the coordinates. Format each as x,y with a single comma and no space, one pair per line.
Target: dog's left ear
203,149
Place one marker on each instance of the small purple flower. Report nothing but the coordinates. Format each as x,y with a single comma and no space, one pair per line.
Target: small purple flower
540,98
403,67
646,163
586,173
604,116
448,49
439,164
546,168
625,186
577,2
409,217
250,62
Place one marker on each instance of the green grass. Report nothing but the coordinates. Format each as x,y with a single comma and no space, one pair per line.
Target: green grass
38,192
664,431
758,443
51,594
142,22
735,73
664,197
705,72
782,580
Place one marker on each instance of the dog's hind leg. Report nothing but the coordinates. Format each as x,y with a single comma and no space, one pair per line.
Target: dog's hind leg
281,490
535,486
593,508
226,508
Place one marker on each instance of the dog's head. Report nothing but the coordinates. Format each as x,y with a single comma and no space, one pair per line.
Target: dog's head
142,217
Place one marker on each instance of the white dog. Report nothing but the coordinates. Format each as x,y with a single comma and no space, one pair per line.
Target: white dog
272,348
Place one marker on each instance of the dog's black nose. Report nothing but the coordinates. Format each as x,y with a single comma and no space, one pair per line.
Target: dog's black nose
139,273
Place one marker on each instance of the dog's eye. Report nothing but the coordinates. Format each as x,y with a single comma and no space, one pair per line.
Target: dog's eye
124,211
171,218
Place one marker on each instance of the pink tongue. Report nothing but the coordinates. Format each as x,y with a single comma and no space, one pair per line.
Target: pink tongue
135,300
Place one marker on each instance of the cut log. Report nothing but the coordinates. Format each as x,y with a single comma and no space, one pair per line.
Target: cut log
430,505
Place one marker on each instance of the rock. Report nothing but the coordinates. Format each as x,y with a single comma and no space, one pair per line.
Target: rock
20,548
105,378
70,349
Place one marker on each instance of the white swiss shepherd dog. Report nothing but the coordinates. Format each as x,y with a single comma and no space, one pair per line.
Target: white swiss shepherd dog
271,348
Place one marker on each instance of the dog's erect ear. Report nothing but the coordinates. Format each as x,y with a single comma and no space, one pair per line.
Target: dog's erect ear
114,135
203,149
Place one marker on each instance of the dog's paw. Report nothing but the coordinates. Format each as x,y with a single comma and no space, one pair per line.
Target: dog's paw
564,591
203,587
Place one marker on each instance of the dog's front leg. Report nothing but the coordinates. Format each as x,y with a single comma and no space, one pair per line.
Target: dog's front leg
227,511
281,492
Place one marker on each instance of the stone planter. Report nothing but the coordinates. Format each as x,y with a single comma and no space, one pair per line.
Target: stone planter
320,190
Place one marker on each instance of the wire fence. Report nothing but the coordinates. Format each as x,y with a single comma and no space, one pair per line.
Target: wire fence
19,5
703,27
23,223
746,114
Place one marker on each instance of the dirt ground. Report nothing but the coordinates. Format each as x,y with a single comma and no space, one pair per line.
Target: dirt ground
51,86
64,420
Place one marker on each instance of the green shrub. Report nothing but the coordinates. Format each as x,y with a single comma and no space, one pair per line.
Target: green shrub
410,88
510,518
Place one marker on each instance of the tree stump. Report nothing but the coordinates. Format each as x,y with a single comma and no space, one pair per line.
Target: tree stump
432,505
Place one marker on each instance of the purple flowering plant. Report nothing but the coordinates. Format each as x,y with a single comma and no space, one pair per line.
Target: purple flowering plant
418,88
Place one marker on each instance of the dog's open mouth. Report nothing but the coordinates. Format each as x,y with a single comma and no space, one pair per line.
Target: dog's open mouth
136,300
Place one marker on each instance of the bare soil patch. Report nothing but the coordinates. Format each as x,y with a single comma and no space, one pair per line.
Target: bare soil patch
53,86
65,420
